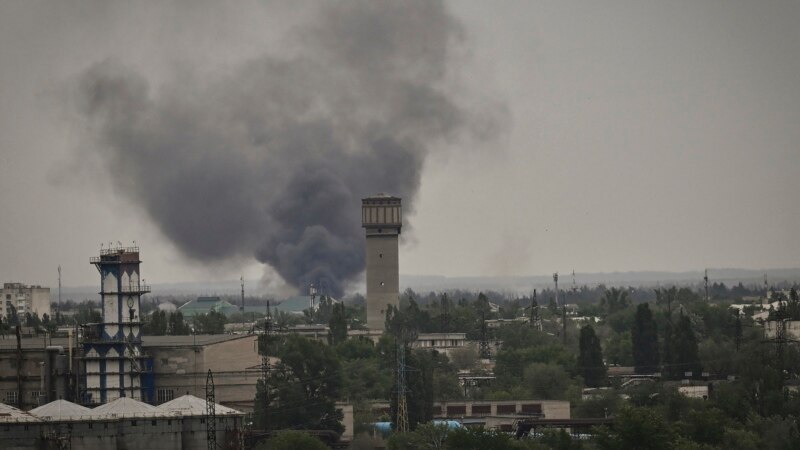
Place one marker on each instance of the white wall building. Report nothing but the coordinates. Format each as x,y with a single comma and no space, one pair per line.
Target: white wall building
26,299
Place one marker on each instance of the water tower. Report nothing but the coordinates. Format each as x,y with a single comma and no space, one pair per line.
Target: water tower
382,217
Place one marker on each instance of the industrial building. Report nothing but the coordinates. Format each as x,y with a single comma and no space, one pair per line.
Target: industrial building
41,370
24,299
492,415
382,218
124,423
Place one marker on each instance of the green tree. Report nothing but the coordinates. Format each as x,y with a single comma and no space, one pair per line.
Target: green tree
590,360
644,337
684,346
304,386
337,325
178,327
210,323
292,440
637,428
614,300
547,381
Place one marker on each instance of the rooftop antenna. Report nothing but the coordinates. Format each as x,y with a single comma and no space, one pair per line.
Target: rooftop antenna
705,281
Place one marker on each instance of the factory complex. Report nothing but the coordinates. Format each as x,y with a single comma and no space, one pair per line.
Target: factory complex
124,423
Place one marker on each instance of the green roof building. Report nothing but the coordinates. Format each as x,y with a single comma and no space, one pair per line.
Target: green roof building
203,305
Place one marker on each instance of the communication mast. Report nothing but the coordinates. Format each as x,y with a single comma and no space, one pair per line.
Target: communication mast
574,284
705,281
555,280
241,308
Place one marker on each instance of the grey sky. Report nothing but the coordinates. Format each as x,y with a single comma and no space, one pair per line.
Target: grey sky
641,135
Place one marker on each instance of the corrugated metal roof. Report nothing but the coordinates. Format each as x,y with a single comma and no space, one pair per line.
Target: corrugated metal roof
189,405
10,414
61,410
127,407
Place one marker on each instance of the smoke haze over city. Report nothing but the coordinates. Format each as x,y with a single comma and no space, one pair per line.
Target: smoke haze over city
524,138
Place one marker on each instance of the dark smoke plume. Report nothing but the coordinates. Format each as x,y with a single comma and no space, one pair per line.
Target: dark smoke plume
273,159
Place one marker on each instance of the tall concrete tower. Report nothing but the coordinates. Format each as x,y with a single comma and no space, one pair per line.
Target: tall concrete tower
382,217
116,366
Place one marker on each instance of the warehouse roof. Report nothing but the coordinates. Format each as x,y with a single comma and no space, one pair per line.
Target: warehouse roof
126,406
204,305
189,405
11,414
61,410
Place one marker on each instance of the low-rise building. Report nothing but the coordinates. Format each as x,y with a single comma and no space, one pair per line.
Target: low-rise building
24,299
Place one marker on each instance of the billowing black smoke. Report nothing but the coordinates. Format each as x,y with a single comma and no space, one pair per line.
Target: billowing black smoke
273,159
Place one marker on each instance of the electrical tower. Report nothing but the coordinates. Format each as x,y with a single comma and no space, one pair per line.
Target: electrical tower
780,340
211,413
402,405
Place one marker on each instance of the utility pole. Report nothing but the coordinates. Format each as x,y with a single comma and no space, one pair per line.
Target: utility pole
564,322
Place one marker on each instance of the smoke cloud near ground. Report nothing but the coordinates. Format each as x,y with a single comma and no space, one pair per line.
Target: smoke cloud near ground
272,158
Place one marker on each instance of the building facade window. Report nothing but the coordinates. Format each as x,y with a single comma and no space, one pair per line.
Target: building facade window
12,398
164,395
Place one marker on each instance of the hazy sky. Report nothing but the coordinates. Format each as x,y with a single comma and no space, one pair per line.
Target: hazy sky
635,135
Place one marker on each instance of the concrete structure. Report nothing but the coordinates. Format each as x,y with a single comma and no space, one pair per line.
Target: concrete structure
25,299
115,365
382,218
493,415
122,424
441,342
180,365
791,328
